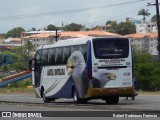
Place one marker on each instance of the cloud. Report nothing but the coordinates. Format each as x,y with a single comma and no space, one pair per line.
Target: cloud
27,7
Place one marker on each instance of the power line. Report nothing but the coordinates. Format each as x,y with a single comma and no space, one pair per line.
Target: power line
65,11
119,16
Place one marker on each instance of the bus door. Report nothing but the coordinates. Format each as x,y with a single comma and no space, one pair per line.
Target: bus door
111,63
37,68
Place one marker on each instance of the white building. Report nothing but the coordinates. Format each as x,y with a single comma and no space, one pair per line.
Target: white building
40,39
144,41
49,38
146,27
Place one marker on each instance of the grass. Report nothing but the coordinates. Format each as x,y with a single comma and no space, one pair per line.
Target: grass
8,90
148,93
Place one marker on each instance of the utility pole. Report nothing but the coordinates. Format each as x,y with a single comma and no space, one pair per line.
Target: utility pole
158,26
57,35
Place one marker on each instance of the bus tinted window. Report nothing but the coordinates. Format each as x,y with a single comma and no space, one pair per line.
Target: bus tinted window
51,56
83,49
59,55
66,54
111,48
74,48
38,56
44,57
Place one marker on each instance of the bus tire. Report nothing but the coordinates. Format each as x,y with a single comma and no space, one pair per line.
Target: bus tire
133,97
45,99
112,100
126,98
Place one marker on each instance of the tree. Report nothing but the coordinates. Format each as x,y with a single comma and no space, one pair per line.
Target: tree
15,32
146,70
23,55
154,18
122,28
144,13
108,22
33,29
125,28
51,27
73,27
114,25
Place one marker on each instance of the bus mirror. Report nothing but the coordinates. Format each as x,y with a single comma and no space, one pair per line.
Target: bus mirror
32,65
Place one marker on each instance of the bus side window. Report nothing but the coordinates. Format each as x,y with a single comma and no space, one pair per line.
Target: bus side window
51,56
66,54
75,48
83,49
44,57
38,57
59,55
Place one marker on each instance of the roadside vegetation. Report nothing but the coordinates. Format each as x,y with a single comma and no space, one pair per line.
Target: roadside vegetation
18,58
147,71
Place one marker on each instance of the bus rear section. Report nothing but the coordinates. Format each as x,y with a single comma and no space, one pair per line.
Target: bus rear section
111,63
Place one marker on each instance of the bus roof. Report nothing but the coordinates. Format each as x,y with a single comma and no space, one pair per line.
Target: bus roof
67,42
72,41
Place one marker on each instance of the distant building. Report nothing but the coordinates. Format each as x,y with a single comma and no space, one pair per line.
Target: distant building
145,41
146,27
102,28
49,38
24,34
39,39
143,26
12,42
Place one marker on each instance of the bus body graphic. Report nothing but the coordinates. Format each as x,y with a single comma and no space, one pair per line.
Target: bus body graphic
84,69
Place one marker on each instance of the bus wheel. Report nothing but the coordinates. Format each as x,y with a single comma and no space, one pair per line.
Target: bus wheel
133,97
45,100
112,100
75,95
126,98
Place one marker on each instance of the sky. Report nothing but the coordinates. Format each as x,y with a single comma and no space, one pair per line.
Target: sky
89,13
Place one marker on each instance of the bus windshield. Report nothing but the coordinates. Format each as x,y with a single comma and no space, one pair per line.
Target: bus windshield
111,48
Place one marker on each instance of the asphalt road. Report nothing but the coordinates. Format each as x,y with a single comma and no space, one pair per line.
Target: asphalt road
149,104
141,102
28,102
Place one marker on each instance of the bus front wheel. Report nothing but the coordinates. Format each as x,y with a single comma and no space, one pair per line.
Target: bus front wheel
45,99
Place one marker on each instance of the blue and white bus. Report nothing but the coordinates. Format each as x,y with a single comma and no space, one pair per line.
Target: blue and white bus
84,69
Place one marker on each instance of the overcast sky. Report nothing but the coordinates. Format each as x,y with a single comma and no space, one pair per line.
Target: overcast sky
89,18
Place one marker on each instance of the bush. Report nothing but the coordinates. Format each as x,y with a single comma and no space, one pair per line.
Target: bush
21,84
147,71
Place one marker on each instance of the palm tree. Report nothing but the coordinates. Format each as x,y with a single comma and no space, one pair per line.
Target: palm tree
144,13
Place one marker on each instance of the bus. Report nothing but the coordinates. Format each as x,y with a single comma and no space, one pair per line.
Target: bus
84,69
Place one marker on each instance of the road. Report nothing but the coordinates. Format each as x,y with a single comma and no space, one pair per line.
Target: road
28,102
